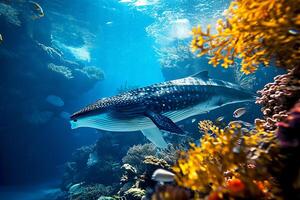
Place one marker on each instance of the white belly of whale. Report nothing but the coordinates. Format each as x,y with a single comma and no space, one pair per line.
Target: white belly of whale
108,123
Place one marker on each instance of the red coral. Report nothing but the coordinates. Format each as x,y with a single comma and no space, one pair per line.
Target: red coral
235,185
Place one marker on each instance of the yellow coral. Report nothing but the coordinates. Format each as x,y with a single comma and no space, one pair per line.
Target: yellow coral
255,31
228,154
205,125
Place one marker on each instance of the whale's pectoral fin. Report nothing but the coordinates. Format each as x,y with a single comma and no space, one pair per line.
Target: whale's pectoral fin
155,136
164,123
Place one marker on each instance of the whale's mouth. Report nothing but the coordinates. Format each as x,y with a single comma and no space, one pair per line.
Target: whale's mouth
74,124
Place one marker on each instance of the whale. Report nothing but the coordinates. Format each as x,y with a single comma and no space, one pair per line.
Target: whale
157,108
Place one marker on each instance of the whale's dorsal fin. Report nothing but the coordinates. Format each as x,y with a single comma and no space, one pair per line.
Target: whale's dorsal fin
202,75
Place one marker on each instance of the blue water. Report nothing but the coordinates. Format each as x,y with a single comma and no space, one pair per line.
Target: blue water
126,40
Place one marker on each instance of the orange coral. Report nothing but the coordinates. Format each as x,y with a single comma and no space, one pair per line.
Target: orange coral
255,31
228,161
235,185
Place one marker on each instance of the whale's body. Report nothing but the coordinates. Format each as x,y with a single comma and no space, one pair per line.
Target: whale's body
157,107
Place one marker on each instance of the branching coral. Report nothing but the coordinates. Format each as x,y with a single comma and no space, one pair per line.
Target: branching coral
152,163
205,126
90,192
278,97
134,194
245,81
230,161
137,154
256,32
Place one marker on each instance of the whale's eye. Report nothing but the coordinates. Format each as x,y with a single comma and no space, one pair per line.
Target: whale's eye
74,120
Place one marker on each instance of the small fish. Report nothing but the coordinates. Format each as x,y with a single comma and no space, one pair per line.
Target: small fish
219,119
294,31
162,176
1,39
65,115
37,9
193,120
108,23
247,124
239,112
55,100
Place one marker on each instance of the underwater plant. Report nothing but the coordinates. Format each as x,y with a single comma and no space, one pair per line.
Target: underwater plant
277,98
254,31
230,162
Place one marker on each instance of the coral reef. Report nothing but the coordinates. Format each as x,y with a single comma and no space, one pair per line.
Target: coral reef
91,165
256,32
230,162
143,156
277,98
152,163
137,154
171,192
139,164
288,129
89,192
205,126
129,173
92,72
134,194
65,71
289,141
